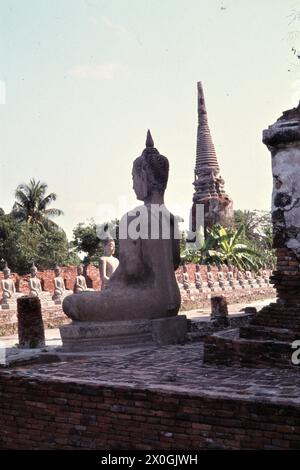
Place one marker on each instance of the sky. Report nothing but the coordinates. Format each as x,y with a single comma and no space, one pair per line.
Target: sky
83,80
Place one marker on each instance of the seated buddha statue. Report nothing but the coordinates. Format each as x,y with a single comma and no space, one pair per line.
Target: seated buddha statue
60,290
107,263
80,282
144,285
8,286
35,283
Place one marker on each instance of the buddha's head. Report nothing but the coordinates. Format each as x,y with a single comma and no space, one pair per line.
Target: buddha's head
79,270
109,247
150,171
6,271
57,270
33,270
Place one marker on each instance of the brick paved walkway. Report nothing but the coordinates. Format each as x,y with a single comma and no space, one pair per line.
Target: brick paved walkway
173,368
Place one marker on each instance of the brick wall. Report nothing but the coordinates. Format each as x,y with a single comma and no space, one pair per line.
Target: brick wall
52,318
69,274
49,414
287,276
93,278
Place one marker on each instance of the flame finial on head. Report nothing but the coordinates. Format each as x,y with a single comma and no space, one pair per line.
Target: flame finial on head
149,140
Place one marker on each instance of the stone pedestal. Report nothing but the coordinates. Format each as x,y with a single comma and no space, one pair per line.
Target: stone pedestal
91,336
30,323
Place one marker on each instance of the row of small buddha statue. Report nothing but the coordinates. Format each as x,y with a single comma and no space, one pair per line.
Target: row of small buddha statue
225,280
107,265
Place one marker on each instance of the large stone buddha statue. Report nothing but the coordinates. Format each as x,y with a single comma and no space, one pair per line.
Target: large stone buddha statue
144,285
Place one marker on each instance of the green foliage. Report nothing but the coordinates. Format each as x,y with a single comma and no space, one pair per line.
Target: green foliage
229,250
257,234
227,246
86,240
20,243
32,203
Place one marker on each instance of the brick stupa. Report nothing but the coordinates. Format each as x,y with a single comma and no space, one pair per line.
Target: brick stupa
209,185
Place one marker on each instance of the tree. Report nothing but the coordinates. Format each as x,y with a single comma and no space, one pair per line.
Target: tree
20,243
257,233
32,203
86,239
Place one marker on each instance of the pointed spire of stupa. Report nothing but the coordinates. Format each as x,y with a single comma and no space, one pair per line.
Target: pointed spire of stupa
209,185
205,155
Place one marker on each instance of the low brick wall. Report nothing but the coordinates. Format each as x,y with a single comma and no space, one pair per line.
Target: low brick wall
92,276
193,300
48,414
68,273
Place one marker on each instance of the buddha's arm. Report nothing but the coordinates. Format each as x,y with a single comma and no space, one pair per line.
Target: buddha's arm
58,288
79,286
131,258
5,290
175,242
34,289
102,269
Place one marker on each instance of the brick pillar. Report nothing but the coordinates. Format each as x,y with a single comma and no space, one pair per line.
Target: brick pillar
283,141
30,323
219,310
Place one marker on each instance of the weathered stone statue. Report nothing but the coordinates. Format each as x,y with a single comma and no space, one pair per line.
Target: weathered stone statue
211,282
7,284
266,277
80,282
59,287
233,282
107,263
9,294
241,279
143,286
223,283
185,278
251,280
34,283
199,283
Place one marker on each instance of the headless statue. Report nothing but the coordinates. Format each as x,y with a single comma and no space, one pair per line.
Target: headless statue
107,263
144,285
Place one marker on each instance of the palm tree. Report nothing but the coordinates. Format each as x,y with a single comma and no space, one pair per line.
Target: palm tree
32,203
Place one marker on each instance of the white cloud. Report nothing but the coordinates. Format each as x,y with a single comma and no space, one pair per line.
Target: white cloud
105,71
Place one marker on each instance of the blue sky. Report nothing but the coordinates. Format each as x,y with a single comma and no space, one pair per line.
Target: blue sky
86,79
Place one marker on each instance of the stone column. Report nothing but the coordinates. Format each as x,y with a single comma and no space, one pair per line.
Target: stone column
283,141
30,323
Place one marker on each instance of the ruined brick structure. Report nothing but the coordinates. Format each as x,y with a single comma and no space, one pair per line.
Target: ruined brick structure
209,185
266,342
283,140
